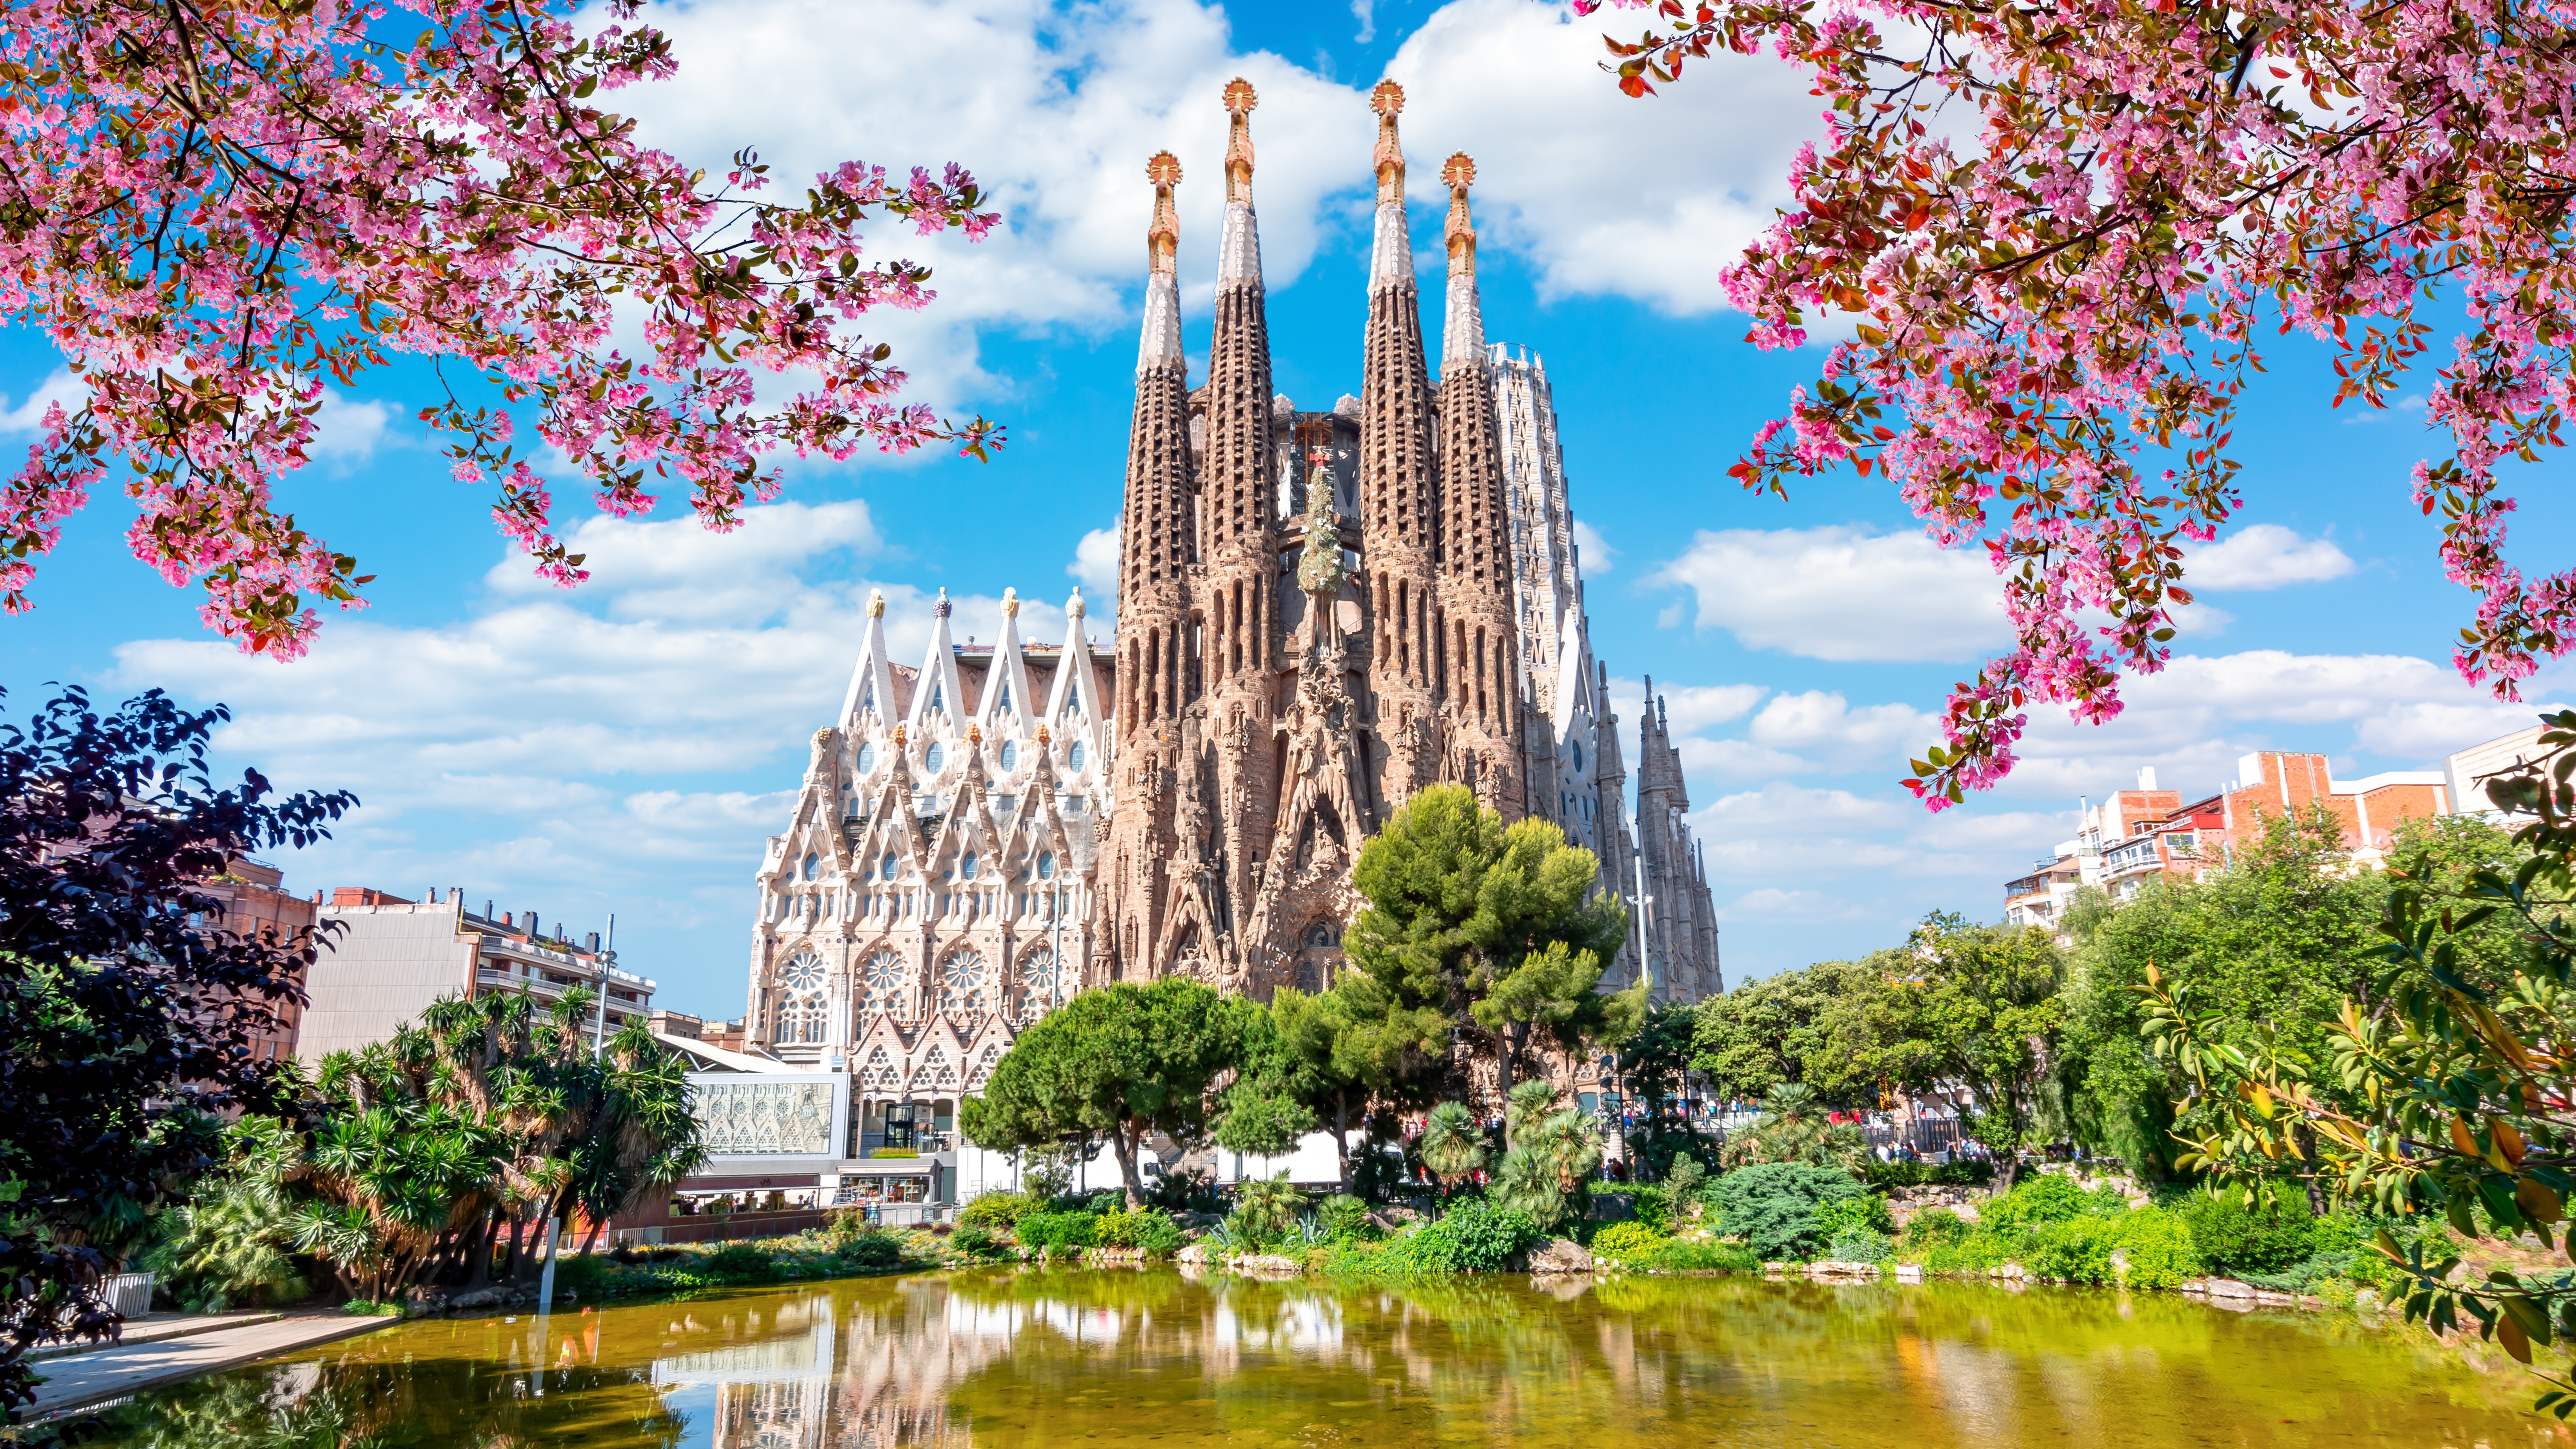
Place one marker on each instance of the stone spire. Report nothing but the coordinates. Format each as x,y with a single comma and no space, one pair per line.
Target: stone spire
1158,536
1475,662
1397,521
1161,343
1236,480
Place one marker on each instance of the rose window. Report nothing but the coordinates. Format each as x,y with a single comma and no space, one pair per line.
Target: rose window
962,983
800,1005
881,982
1037,985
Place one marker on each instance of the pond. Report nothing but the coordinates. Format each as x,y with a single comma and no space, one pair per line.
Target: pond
1044,1357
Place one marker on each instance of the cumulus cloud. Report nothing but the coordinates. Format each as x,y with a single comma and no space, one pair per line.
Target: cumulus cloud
1095,567
1603,194
1770,903
1592,551
1823,726
1842,593
2264,556
58,387
1688,708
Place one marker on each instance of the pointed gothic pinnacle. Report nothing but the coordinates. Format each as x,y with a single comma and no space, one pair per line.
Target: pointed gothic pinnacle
1163,236
939,609
1010,603
876,603
1240,99
1460,172
1073,606
1388,101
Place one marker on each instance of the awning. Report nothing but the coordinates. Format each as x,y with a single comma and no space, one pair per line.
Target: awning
889,1167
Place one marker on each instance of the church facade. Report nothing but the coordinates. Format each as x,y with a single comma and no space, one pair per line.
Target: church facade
1320,612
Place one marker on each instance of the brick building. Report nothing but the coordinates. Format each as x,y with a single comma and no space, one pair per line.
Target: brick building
2138,835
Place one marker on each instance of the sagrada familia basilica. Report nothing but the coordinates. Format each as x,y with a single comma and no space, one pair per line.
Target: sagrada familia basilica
1319,613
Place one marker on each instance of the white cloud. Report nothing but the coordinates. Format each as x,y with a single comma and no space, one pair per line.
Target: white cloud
1783,808
1842,593
1365,12
2264,556
1592,551
1095,567
1824,727
1688,708
1604,194
1771,903
347,433
29,414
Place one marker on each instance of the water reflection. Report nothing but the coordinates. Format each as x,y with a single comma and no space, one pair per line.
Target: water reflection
1008,1358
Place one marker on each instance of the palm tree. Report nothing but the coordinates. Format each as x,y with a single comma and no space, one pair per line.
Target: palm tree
1452,1146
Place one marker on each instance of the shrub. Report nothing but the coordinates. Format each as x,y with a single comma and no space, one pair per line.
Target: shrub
976,1241
1344,1217
2074,1250
1059,1230
1935,1226
999,1210
1865,1213
1266,1209
1974,1253
1772,1205
2233,1238
1474,1236
1683,1257
871,1250
1654,1207
2035,1201
1626,1242
1858,1244
2158,1249
583,1273
738,1263
1149,1229
1682,1184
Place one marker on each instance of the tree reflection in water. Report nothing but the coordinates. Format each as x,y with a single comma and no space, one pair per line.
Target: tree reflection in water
1050,1356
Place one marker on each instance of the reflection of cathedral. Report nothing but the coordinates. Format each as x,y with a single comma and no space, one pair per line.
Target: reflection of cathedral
1319,614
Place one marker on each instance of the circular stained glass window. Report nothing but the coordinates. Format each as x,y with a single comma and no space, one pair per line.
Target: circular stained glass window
804,974
867,758
932,757
1010,754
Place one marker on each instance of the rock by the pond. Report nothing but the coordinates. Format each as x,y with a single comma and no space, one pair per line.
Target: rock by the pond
1909,1272
1267,1264
1194,1255
1829,1268
480,1298
1393,1219
1611,1207
1560,1255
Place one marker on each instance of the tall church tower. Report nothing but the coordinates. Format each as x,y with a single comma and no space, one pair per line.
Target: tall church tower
1398,489
1157,553
1473,648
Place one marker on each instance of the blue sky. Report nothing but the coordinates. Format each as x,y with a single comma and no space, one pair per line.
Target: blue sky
627,747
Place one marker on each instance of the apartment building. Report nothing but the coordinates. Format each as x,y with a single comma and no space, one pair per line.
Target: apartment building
2136,836
392,957
256,903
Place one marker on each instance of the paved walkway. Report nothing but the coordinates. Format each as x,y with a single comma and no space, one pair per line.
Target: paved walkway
160,1326
78,1380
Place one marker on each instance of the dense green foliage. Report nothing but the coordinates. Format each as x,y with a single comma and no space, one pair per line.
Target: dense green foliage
1773,1206
1490,930
1123,1061
1474,1236
128,1003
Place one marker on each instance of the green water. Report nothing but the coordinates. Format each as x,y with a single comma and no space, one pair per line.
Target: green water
1122,1358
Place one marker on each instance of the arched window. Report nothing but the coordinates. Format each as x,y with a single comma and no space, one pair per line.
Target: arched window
1010,752
813,865
964,982
1046,866
889,866
879,984
1073,757
1038,986
966,866
867,759
932,757
800,989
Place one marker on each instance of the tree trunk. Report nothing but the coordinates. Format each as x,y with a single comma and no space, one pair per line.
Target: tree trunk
1342,1137
1126,1148
479,1251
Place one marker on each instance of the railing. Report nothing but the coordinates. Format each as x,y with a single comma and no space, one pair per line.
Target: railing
128,1294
